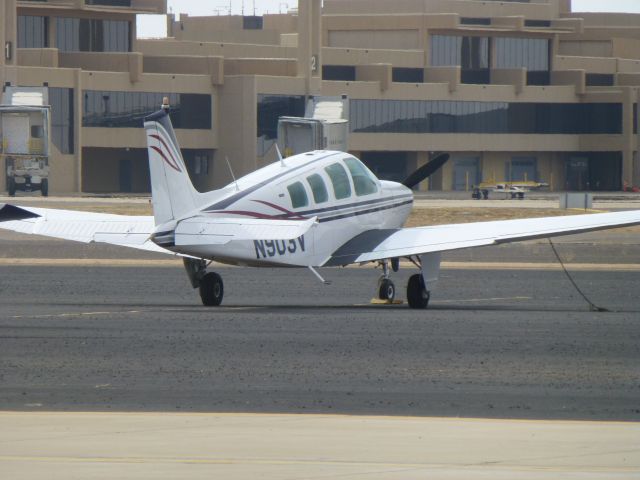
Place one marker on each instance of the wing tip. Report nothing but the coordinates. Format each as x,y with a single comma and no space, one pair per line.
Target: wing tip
10,213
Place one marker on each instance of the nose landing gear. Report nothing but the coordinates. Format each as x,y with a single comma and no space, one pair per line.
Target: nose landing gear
386,288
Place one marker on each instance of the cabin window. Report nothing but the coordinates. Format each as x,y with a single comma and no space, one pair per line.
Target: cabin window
298,195
340,180
318,188
363,180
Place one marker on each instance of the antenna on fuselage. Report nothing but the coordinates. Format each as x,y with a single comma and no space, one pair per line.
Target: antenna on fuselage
232,175
282,164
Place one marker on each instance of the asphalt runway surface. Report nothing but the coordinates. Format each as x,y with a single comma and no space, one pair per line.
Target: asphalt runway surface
495,344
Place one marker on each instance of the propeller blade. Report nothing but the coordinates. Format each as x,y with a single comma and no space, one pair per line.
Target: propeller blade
426,170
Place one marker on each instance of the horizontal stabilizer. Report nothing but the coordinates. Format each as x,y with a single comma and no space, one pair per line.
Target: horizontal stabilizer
85,227
219,231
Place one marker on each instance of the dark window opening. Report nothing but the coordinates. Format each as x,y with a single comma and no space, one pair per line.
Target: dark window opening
127,109
344,73
62,125
109,3
530,53
471,54
270,109
600,80
91,35
595,171
537,23
474,21
33,31
387,165
408,75
252,23
431,116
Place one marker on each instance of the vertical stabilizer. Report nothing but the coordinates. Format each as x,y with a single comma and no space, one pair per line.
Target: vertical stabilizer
172,192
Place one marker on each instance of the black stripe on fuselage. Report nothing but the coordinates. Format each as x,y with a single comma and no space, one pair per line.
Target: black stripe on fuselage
354,205
227,202
364,212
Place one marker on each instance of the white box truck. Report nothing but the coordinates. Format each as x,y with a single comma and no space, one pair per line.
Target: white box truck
24,139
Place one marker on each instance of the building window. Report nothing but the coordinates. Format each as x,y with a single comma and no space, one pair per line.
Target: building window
408,75
33,32
522,169
433,116
529,53
91,35
128,109
344,73
62,125
599,80
270,109
471,54
537,23
475,21
197,161
109,3
252,23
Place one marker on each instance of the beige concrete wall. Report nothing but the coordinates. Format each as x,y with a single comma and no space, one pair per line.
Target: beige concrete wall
237,129
38,57
359,56
221,28
173,47
470,8
375,39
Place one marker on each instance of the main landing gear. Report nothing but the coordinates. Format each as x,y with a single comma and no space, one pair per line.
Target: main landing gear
209,283
417,294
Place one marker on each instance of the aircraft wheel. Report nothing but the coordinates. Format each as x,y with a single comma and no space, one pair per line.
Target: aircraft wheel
387,290
211,289
417,294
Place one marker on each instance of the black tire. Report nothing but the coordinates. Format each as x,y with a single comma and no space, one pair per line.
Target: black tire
44,187
11,186
387,290
417,294
211,289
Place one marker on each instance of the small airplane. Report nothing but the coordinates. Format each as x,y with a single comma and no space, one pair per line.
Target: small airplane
316,209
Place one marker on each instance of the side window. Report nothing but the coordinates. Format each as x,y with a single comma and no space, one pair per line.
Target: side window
340,181
298,195
363,180
319,189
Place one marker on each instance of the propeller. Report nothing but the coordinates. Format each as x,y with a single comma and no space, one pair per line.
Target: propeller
426,170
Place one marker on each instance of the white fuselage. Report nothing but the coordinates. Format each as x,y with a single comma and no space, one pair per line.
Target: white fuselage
293,190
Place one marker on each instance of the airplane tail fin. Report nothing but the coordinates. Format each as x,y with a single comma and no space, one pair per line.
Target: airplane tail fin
172,192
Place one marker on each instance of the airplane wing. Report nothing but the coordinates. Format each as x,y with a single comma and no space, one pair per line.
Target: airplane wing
382,244
86,227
